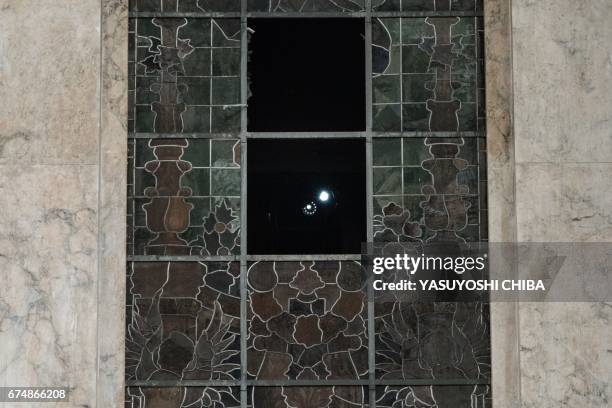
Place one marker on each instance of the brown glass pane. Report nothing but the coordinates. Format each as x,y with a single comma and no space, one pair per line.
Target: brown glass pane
308,397
434,341
308,320
183,321
472,396
180,397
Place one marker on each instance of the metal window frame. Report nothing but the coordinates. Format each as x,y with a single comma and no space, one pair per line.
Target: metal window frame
244,258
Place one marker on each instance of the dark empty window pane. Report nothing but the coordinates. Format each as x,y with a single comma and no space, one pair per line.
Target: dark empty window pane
308,196
306,75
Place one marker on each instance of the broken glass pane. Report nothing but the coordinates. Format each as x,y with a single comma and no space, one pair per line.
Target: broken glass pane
311,196
306,75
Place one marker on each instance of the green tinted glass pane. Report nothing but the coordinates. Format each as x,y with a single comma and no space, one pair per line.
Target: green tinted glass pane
387,152
276,6
415,116
387,180
195,91
196,119
210,5
201,208
415,151
198,62
198,152
225,182
197,30
198,180
225,119
414,179
414,59
226,91
225,153
386,89
143,153
387,118
226,61
418,87
177,76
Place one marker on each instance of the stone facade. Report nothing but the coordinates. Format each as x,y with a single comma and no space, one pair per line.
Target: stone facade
63,121
562,128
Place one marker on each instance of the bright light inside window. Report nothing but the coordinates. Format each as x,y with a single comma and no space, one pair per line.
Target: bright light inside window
323,196
309,209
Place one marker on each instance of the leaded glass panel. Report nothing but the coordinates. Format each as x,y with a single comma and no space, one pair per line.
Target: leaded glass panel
183,321
429,187
307,321
435,341
186,75
472,396
308,397
183,397
185,196
426,5
425,74
188,6
283,6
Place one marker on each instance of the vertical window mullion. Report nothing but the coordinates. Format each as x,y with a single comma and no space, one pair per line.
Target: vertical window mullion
243,202
369,202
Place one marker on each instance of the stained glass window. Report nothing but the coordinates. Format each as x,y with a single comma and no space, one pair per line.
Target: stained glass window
269,139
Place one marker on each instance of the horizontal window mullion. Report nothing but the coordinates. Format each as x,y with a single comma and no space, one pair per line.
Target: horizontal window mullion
196,135
309,383
322,14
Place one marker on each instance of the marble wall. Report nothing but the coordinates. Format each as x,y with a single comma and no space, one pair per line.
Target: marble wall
562,76
501,194
62,161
